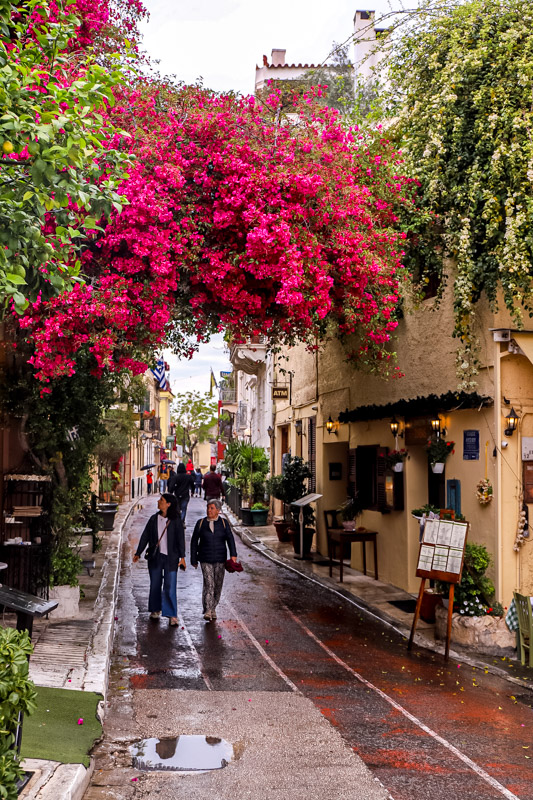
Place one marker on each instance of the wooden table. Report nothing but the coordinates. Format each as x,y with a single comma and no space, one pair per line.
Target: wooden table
340,535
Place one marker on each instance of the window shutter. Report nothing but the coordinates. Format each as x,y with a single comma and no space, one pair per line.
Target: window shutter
352,473
311,452
381,469
453,495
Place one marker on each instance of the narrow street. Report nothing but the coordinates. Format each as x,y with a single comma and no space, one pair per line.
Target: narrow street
424,730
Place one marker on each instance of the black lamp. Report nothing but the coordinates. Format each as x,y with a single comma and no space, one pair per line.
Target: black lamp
512,422
298,427
331,426
270,431
394,426
435,424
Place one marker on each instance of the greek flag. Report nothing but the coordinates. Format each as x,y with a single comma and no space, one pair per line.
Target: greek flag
159,375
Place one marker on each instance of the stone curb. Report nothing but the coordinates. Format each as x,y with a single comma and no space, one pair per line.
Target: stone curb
52,780
422,641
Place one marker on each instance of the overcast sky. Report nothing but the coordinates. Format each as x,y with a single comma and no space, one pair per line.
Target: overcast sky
221,41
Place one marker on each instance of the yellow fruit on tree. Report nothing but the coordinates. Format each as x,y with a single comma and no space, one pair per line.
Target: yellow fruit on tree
7,147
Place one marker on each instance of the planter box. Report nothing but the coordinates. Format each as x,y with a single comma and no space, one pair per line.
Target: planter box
259,516
438,468
69,601
486,634
398,467
430,601
246,516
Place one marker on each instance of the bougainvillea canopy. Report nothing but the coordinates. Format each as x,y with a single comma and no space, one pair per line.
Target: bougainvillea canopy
237,215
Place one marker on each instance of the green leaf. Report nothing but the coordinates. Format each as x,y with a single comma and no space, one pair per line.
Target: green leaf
16,279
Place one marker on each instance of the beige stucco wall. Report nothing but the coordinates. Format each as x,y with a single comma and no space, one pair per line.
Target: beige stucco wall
427,355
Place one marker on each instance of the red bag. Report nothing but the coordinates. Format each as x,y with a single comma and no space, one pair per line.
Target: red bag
233,566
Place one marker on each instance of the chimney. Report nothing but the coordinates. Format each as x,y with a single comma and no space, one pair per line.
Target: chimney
362,19
278,58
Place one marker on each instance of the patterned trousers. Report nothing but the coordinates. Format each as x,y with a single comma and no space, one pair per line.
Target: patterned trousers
212,589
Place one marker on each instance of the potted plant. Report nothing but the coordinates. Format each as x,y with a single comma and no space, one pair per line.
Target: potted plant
478,620
438,451
259,513
249,465
349,511
396,458
275,486
291,485
65,566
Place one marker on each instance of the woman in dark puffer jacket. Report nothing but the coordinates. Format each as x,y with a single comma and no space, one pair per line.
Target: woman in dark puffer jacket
211,538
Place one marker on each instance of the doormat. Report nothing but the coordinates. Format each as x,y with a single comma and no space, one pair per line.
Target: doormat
54,732
408,606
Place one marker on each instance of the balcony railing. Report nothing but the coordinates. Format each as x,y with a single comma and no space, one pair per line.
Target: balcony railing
228,396
151,424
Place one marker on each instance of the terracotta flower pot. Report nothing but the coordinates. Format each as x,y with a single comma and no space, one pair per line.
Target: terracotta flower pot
282,530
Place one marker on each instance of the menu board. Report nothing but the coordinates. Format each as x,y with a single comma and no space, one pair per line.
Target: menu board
442,550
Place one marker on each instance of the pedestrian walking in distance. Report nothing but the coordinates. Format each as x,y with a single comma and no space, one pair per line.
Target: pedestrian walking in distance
149,480
198,478
183,489
171,480
165,540
211,538
212,484
162,477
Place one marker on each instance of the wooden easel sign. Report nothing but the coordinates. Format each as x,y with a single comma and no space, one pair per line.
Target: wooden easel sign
440,558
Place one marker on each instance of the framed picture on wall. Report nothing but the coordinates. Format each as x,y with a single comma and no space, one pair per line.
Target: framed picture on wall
335,471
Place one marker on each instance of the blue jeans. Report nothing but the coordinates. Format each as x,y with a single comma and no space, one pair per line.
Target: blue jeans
183,502
165,601
162,486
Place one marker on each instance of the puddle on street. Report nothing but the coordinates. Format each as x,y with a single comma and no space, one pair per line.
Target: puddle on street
182,753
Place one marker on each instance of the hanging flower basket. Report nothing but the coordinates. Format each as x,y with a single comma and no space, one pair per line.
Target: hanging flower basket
395,459
484,492
438,451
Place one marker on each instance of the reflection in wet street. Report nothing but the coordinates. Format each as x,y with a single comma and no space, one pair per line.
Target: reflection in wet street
182,753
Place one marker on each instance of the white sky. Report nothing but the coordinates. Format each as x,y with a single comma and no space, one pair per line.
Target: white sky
222,41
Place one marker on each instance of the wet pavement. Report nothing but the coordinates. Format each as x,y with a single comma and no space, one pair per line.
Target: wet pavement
288,658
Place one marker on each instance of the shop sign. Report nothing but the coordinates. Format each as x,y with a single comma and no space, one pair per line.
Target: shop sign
280,393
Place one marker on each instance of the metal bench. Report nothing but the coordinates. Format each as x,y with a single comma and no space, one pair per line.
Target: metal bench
27,606
89,564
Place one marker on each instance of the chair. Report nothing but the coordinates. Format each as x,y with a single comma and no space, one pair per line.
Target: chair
525,626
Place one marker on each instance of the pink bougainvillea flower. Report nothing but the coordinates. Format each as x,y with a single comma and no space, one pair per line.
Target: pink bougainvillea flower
80,721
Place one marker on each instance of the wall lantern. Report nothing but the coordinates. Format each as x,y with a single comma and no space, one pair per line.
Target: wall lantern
332,427
512,422
270,431
435,424
394,426
298,427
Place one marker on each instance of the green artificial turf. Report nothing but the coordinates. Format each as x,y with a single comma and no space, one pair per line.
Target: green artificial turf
53,733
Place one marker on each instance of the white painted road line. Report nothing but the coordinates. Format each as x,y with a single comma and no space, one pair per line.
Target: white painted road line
468,761
262,649
195,651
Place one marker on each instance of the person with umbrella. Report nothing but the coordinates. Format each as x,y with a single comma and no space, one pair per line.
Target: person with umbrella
149,480
165,540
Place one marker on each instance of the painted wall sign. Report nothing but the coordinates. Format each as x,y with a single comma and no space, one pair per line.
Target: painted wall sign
527,448
470,445
226,374
280,393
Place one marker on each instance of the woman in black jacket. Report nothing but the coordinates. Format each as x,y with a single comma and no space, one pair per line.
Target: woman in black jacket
165,539
210,538
183,488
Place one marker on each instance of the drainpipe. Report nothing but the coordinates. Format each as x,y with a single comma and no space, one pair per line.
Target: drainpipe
498,435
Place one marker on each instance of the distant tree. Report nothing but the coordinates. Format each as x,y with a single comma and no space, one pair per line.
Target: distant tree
338,76
194,414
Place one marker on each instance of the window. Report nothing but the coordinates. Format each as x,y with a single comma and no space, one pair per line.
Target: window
379,488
